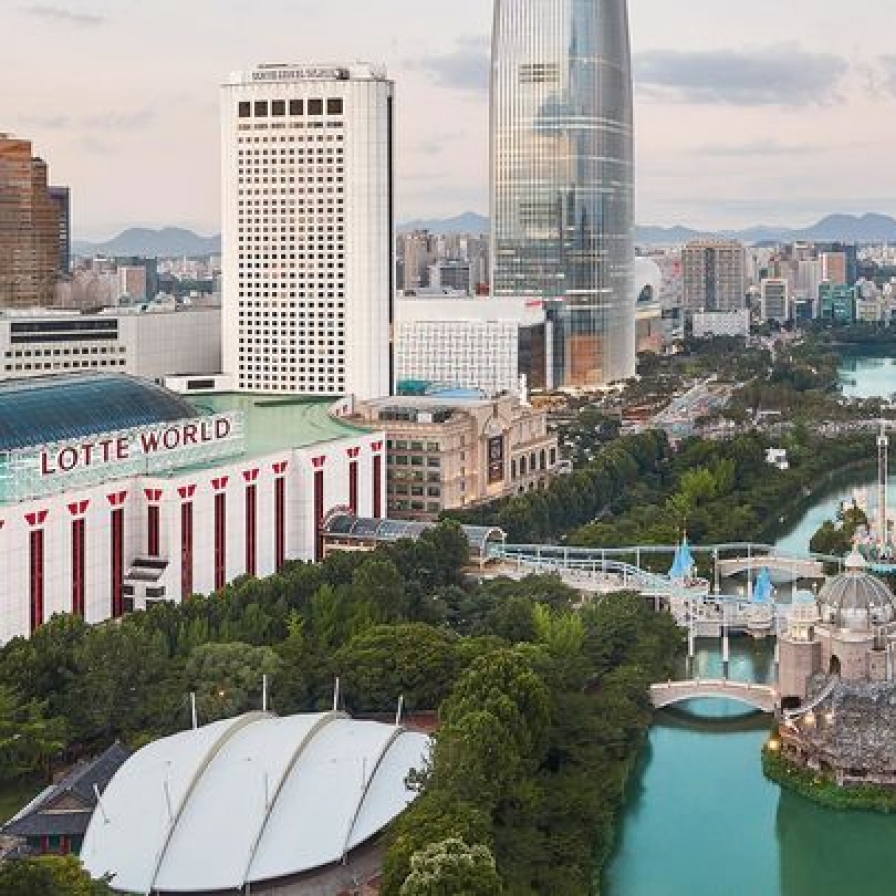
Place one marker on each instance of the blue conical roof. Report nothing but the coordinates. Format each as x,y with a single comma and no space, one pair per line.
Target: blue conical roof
683,564
762,588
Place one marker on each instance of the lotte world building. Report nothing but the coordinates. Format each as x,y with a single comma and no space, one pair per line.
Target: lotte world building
562,179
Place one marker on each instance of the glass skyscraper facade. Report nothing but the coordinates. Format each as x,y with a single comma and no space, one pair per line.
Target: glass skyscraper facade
562,178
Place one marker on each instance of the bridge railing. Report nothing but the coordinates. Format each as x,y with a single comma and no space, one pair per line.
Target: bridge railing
750,547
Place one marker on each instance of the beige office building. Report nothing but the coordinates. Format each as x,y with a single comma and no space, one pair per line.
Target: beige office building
29,229
714,275
447,453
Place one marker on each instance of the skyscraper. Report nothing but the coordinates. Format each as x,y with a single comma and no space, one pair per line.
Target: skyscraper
562,204
29,229
308,230
62,197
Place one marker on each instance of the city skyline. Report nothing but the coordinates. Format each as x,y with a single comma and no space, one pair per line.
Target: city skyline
738,123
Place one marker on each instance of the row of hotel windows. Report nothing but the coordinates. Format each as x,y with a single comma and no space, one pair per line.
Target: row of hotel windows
277,108
269,140
65,365
65,352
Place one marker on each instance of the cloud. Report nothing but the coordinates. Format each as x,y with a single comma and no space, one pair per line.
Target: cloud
65,16
48,122
120,121
757,149
464,68
108,123
782,75
888,74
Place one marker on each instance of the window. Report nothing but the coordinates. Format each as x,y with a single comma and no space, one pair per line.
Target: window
244,110
278,107
261,108
315,107
334,106
296,107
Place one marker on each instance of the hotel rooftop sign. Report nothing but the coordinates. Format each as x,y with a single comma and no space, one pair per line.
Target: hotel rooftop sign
150,450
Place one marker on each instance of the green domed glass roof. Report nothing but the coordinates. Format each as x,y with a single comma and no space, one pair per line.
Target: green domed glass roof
61,408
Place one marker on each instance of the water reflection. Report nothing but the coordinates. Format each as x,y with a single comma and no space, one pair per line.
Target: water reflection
828,853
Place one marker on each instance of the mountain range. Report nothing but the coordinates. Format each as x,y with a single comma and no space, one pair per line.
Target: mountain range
169,242
175,242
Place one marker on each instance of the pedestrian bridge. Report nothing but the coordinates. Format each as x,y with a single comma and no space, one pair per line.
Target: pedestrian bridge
759,696
784,567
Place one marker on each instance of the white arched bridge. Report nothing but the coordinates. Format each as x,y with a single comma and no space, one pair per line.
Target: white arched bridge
761,697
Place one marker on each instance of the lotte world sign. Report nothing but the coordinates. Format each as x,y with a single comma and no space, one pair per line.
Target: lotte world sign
151,450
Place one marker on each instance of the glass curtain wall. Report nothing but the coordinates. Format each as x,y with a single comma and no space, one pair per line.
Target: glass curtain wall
562,179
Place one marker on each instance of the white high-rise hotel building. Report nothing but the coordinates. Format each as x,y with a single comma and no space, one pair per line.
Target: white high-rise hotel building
308,230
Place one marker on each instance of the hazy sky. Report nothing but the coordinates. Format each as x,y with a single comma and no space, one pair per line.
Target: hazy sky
773,111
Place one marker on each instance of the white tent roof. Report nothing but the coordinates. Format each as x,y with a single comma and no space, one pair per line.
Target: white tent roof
249,799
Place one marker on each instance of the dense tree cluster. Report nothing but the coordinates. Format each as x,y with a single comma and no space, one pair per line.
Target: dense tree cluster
378,619
587,494
535,746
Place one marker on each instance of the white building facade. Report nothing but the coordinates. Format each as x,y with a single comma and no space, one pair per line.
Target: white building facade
151,344
115,493
721,323
308,230
465,343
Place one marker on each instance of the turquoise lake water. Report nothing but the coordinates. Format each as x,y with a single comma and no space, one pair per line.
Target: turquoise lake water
701,820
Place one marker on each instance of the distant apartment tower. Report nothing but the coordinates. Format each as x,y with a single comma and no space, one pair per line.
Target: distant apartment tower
308,230
833,268
451,274
61,196
775,299
713,273
132,283
562,197
29,229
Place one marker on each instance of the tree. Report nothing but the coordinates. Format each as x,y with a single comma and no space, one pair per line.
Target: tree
28,740
49,876
831,539
378,582
227,678
122,670
452,868
494,728
384,662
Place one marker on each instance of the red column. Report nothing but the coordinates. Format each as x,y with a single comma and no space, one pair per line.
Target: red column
279,515
186,493
36,521
153,522
79,548
220,486
116,570
353,479
377,448
318,464
251,478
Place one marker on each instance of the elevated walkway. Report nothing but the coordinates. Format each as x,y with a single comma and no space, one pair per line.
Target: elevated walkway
784,567
759,696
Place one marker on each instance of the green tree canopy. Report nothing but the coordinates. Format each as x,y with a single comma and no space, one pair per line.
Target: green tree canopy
452,868
227,678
